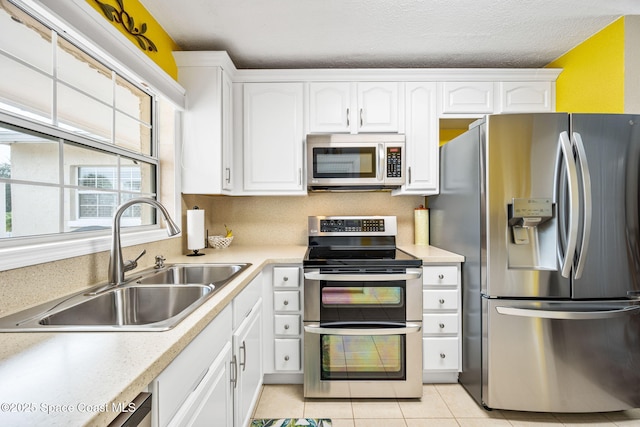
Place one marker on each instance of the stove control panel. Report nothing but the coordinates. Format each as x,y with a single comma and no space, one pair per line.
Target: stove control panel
352,225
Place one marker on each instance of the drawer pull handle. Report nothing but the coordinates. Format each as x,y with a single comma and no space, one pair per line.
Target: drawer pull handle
442,355
440,276
441,325
285,302
441,300
286,327
285,279
286,358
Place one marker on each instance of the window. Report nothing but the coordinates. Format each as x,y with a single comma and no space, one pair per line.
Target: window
78,137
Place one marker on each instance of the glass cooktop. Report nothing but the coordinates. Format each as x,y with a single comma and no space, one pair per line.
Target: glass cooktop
333,256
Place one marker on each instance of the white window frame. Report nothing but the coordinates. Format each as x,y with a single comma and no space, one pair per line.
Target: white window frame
88,30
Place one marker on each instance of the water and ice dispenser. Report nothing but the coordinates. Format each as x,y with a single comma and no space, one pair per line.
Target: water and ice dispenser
532,233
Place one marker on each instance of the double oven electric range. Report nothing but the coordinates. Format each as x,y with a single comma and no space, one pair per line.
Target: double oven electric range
362,311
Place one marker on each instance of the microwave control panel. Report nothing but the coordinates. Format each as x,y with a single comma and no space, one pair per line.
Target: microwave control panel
394,162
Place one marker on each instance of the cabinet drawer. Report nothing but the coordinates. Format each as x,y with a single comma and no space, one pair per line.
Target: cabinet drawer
286,277
440,323
286,301
440,354
440,275
287,324
440,299
287,354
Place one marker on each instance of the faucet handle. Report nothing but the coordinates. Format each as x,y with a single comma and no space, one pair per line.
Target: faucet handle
130,265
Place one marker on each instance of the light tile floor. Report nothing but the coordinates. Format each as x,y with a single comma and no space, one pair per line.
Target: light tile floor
442,405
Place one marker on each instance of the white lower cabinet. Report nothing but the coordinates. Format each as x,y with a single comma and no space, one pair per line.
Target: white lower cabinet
282,296
210,404
195,389
216,379
441,323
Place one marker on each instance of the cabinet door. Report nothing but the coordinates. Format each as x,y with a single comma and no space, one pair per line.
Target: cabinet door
273,138
211,402
330,108
202,126
467,97
247,344
421,132
377,107
526,97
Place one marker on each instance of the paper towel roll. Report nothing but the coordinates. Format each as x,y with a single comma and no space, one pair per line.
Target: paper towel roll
421,227
195,229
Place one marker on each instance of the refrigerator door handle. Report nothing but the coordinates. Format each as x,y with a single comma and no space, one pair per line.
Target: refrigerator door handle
574,214
586,191
567,315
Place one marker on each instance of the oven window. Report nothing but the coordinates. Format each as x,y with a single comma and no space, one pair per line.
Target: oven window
348,162
362,296
362,301
363,357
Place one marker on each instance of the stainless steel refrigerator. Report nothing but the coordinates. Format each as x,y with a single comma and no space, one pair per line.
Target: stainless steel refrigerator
545,209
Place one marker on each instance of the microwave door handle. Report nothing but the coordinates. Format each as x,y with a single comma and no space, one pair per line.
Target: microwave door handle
380,161
410,328
410,275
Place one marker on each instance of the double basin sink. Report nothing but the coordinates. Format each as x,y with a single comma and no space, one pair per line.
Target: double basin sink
155,300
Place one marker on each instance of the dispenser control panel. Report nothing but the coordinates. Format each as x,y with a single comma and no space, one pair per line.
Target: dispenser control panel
527,208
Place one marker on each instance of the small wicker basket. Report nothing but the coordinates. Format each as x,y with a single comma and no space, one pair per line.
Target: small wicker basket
219,242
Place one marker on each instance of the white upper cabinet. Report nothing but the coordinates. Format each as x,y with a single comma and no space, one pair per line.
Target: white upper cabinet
421,133
273,138
330,107
467,97
353,107
526,97
207,140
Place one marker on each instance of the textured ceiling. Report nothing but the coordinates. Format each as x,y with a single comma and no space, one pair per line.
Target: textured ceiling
386,33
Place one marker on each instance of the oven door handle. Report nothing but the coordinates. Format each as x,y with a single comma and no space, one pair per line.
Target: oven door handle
411,274
410,328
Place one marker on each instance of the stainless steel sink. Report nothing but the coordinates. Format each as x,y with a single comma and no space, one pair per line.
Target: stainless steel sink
156,300
193,273
133,305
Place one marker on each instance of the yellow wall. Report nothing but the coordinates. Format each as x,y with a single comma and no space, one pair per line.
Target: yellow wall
592,80
165,44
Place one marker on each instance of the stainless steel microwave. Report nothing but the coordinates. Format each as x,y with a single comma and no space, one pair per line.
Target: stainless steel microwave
355,161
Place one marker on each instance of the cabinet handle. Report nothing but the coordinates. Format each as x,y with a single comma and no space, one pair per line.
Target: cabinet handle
440,276
348,120
285,302
361,119
228,175
441,300
285,279
286,327
441,325
234,372
442,355
243,363
409,175
286,358
299,176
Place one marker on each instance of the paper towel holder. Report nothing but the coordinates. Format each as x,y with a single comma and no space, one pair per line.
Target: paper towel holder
196,252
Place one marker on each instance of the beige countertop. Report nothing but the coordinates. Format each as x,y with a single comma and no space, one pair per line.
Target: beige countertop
73,378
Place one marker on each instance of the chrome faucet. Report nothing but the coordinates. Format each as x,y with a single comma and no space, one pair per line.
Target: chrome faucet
117,267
